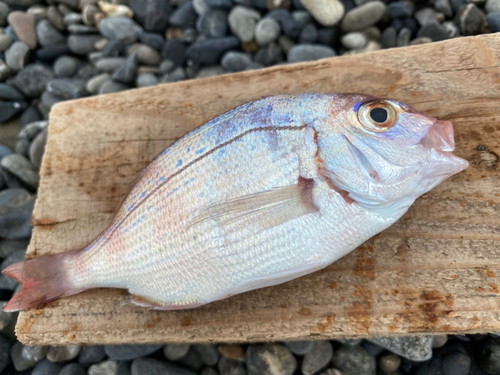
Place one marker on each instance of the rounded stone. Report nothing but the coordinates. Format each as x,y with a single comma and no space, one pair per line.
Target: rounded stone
20,364
8,92
492,6
261,359
4,12
309,52
16,55
111,86
46,367
94,84
34,353
300,347
439,341
389,362
389,36
267,31
48,35
175,352
308,35
233,61
489,355
363,16
209,51
22,168
83,44
5,42
242,22
72,369
433,30
65,66
354,360
233,351
37,148
200,6
354,40
146,80
326,12
63,353
145,54
456,364
471,19
91,354
493,20
184,16
317,358
24,27
121,28
129,352
212,23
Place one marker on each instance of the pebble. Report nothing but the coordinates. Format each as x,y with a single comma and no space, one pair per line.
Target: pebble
10,109
91,354
149,366
4,11
22,168
471,19
228,366
492,6
66,66
242,22
178,74
5,71
208,353
234,61
153,40
456,364
363,16
148,69
19,362
4,352
47,368
334,371
153,15
7,247
63,353
401,9
415,348
354,360
166,66
200,6
285,43
82,44
72,18
17,256
488,356
308,35
34,353
25,27
305,52
219,4
212,23
37,148
184,16
302,16
439,341
81,29
389,362
31,81
94,84
72,369
8,92
48,35
210,71
289,25
67,88
326,12
56,18
403,38
493,20
16,55
49,54
121,28
115,10
425,15
317,358
192,360
209,51
5,42
300,347
110,64
145,54
110,367
175,51
432,367
421,40
270,55
233,351
146,80
270,358
113,48
354,40
129,352
433,30
388,38
443,6
127,71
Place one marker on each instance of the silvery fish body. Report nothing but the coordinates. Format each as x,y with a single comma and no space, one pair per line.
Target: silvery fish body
270,191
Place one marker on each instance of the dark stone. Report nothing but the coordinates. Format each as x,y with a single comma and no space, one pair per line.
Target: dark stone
432,367
270,55
416,348
328,36
4,352
184,16
309,52
192,360
456,364
73,369
48,35
81,29
173,352
149,366
208,353
23,169
83,44
121,28
113,48
91,354
228,366
234,61
412,25
210,51
212,23
354,360
129,352
34,353
388,38
152,14
493,19
270,358
401,9
67,88
433,30
309,34
488,356
7,247
152,40
9,110
224,4
174,50
348,5
20,363
30,115
50,53
37,148
127,71
47,367
457,4
66,66
300,347
471,19
112,86
289,25
404,37
49,100
8,92
317,358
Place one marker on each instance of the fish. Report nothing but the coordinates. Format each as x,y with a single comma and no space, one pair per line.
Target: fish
268,192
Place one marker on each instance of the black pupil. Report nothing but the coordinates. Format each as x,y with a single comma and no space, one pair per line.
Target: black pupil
379,115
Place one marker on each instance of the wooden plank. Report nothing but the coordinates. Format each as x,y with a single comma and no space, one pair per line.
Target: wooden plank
436,270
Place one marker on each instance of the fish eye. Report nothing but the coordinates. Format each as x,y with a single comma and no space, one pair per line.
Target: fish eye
377,116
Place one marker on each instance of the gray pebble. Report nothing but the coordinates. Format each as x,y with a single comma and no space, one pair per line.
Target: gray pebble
111,86
305,52
270,358
354,40
72,18
211,371
456,364
421,40
270,55
129,352
8,247
192,360
233,61
95,83
174,352
433,30
184,16
452,28
302,16
4,346
443,6
308,35
23,147
285,43
81,29
425,15
37,149
149,366
145,54
113,48
31,130
153,40
152,14
401,9
267,31
404,37
242,22
91,354
200,6
67,88
208,353
317,358
5,71
31,81
121,28
166,66
178,74
110,367
63,353
175,51
20,363
22,168
389,362
66,66
210,71
354,360
147,80
389,36
5,42
56,18
127,71
72,369
228,366
48,35
6,319
471,19
4,12
492,6
209,51
34,353
10,109
16,55
415,348
363,16
300,347
212,23
47,368
109,64
8,92
83,44
6,282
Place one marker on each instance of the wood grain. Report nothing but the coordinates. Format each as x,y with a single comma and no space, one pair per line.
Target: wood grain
436,270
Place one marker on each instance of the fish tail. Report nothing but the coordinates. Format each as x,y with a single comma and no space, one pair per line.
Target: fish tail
44,279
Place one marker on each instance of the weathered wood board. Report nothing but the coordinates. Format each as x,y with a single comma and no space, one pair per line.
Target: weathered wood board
436,270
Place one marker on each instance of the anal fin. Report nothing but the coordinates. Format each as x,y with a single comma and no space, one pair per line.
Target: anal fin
145,302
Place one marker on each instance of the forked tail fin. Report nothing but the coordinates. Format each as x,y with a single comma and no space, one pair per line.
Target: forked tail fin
44,279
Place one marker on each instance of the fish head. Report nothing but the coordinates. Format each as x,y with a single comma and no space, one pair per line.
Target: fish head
386,154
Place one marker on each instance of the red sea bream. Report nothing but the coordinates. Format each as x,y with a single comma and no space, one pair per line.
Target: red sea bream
267,192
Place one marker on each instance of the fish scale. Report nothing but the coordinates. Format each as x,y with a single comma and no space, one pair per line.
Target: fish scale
267,192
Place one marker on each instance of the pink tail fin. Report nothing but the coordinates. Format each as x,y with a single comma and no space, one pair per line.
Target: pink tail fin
44,279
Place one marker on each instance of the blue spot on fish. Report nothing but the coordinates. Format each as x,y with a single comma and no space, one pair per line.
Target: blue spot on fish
179,163
356,106
143,194
200,150
188,149
130,207
160,180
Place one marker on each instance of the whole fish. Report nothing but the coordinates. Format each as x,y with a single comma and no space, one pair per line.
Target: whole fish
268,192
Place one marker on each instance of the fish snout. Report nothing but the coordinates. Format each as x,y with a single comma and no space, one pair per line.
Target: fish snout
440,136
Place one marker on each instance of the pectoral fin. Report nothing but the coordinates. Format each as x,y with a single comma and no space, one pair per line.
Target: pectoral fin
268,208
